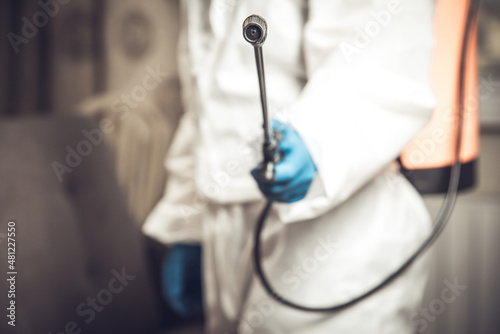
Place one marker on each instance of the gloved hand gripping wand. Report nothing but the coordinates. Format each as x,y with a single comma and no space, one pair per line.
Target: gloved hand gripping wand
255,32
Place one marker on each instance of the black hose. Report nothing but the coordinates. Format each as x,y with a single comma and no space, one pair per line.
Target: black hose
440,221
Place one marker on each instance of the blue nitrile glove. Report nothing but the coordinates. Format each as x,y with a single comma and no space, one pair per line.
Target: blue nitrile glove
294,173
181,279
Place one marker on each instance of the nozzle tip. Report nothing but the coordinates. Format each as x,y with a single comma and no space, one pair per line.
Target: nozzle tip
255,30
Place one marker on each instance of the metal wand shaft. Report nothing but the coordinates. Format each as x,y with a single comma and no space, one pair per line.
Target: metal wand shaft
268,133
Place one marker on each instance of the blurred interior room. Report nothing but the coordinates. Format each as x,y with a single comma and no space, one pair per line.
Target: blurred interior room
105,72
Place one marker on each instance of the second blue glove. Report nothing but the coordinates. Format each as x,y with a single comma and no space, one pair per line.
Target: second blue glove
181,280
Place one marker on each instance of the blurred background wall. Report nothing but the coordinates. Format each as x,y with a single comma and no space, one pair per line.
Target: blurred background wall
85,47
92,57
113,59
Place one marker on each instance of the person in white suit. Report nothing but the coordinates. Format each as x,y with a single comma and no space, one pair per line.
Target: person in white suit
350,81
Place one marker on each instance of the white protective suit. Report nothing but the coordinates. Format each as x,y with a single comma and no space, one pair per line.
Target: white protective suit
352,77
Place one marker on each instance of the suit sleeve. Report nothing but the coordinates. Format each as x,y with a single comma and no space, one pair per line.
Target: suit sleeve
368,93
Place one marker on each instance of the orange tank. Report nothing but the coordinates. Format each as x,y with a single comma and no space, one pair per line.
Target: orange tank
427,160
